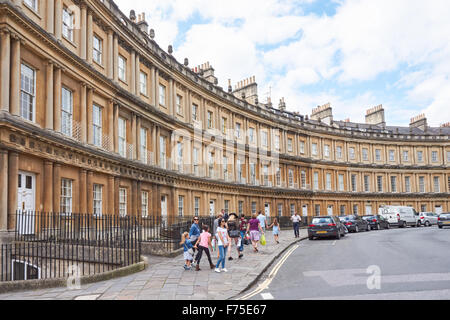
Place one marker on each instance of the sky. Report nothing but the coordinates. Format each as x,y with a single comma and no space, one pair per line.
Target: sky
354,54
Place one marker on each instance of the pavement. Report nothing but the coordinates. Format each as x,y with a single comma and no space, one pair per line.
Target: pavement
165,278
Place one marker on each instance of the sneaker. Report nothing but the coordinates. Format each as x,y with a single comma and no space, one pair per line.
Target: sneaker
217,270
224,270
230,258
240,256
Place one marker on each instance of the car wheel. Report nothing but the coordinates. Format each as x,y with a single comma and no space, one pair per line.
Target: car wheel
404,224
440,227
356,229
368,227
378,226
427,224
311,238
338,237
388,226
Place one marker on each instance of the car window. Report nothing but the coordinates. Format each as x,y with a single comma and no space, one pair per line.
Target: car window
322,220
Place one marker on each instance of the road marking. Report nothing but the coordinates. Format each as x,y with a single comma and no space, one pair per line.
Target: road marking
267,296
263,286
334,243
399,295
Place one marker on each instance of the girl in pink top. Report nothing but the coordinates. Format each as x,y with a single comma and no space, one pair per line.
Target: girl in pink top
203,244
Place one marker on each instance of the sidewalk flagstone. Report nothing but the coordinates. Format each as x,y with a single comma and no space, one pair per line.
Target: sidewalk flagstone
165,278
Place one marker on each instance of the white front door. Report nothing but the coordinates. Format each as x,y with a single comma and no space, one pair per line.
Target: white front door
330,210
438,209
368,210
26,203
267,209
305,210
212,208
164,210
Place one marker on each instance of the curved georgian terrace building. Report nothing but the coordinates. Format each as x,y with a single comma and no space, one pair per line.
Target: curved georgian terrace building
96,118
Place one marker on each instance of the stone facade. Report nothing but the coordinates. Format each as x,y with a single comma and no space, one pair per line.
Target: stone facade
96,117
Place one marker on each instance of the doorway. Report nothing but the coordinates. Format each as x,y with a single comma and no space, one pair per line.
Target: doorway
26,203
164,210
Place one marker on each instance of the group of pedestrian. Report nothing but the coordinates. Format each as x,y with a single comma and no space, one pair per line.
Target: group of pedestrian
228,229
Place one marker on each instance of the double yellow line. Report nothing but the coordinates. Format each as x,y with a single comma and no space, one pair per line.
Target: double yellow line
263,286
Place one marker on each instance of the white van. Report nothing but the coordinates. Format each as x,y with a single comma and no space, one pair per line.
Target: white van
398,215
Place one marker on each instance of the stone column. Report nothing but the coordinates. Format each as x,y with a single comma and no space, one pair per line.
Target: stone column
156,88
133,136
15,76
116,195
48,186
58,19
116,57
133,72
110,200
49,97
83,110
153,91
13,186
90,192
110,54
56,187
134,198
83,34
116,128
138,75
3,190
138,139
5,65
51,16
89,37
111,124
90,101
57,99
83,194
170,100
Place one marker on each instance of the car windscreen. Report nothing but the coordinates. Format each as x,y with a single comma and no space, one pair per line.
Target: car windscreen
322,220
445,215
368,217
347,218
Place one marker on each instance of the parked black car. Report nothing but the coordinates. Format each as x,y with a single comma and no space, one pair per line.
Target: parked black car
326,226
444,220
355,223
377,222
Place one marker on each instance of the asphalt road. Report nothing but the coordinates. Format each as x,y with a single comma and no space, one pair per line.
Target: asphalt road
412,263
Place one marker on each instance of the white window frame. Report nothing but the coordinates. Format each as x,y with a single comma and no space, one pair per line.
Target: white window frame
123,202
97,127
122,68
179,104
32,4
143,145
144,204
180,206
122,137
66,111
98,200
97,48
29,91
143,83
68,24
162,95
66,199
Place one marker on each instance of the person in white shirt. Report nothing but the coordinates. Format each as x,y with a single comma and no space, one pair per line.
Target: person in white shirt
223,241
262,220
296,219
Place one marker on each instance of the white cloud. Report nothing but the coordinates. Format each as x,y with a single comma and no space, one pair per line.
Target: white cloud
361,41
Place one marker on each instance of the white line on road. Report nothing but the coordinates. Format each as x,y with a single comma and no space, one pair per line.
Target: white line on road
271,276
267,296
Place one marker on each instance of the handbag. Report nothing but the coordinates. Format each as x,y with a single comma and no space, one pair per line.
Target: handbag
263,240
235,233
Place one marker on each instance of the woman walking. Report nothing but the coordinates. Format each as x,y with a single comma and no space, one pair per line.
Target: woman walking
234,233
254,227
223,240
243,230
194,232
203,244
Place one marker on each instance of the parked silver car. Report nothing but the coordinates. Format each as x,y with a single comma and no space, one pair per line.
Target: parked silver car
427,219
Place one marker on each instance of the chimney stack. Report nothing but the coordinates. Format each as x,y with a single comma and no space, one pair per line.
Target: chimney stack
375,116
142,24
247,89
323,114
419,122
282,105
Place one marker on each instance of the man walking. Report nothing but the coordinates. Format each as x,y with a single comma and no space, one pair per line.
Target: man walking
262,220
296,219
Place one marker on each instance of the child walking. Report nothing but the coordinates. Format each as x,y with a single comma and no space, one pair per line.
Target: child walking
276,230
188,250
203,244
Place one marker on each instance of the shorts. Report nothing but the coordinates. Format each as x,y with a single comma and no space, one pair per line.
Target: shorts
254,235
188,256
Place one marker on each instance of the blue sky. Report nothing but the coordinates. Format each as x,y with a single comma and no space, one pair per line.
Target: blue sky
355,54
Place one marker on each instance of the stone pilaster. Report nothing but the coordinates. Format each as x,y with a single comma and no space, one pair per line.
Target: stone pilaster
5,68
15,75
48,186
58,19
89,36
116,57
57,99
49,103
56,187
3,190
111,202
90,192
90,101
83,32
50,16
83,193
133,72
13,173
110,54
110,113
83,110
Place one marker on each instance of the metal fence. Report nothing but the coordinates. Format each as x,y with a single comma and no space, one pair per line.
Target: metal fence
48,260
